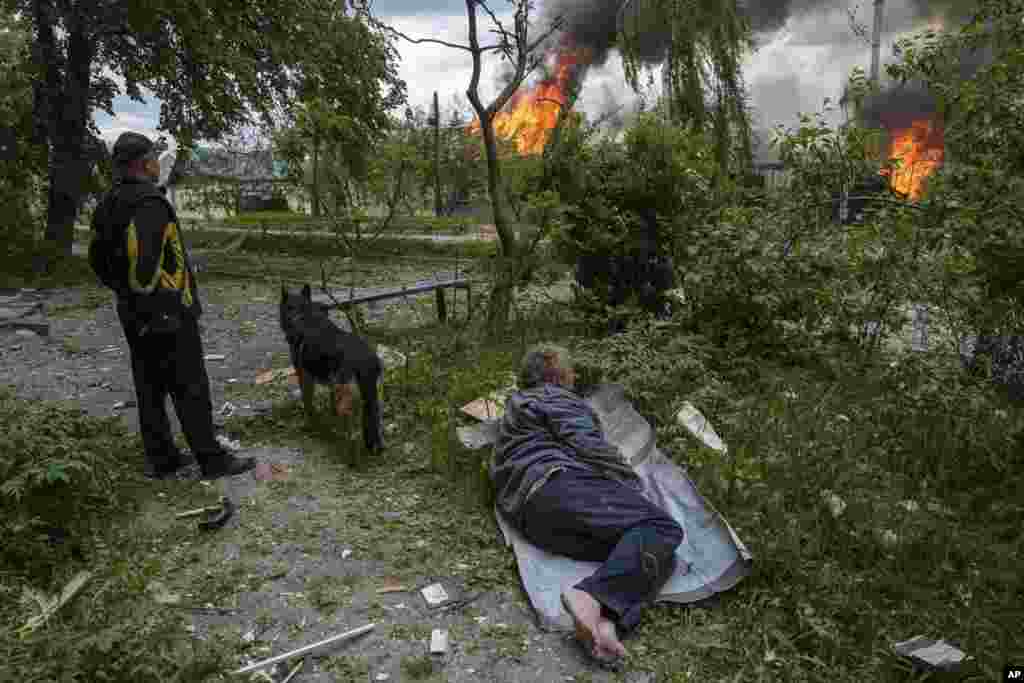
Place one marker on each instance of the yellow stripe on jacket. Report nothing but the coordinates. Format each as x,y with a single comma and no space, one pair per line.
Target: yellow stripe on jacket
176,280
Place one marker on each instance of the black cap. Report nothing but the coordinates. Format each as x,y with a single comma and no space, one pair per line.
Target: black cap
132,146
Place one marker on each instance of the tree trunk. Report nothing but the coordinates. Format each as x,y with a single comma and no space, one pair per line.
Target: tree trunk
507,261
70,162
316,177
437,158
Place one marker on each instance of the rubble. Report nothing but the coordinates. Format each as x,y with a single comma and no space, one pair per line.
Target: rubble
435,594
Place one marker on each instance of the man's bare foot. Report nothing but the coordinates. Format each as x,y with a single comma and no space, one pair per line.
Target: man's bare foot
596,634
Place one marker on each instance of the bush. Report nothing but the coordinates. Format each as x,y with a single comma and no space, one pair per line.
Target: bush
59,469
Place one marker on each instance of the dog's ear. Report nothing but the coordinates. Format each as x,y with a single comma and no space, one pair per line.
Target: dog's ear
307,294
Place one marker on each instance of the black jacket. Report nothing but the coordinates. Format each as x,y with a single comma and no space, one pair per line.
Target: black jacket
159,274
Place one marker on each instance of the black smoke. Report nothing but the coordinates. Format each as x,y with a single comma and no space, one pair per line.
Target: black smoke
595,24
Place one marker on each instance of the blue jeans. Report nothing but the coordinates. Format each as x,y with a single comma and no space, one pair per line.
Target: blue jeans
589,517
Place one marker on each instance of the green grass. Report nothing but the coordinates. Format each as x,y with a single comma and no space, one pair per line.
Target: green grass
413,224
929,541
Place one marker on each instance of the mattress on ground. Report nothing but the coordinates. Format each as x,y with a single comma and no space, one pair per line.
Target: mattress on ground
711,559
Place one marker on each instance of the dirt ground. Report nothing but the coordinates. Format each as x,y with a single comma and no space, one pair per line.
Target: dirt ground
305,557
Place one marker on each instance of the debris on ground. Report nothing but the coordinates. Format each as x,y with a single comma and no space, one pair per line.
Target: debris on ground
270,471
391,586
228,409
214,516
214,356
698,425
307,648
475,437
435,594
932,654
48,605
488,407
271,375
438,641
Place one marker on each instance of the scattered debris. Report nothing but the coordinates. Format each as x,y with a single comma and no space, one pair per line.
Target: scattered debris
459,604
346,553
110,349
228,409
124,404
214,356
270,472
489,407
693,420
438,641
207,609
382,676
249,636
308,648
294,671
25,333
270,375
932,654
48,605
435,594
391,586
216,515
475,437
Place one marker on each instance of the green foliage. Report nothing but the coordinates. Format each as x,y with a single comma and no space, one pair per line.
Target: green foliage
58,469
22,164
656,361
974,228
709,41
607,188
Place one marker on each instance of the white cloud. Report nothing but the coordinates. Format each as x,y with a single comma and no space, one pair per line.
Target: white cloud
792,72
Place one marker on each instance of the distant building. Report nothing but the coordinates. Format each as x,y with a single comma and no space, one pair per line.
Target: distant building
222,182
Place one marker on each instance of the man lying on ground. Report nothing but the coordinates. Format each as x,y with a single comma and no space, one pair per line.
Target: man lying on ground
571,492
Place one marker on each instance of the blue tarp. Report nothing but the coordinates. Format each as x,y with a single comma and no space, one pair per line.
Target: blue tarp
712,558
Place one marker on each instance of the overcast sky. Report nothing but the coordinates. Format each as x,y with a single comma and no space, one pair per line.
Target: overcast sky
792,71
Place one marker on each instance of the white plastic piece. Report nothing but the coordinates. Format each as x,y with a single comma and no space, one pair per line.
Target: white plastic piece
438,641
693,420
435,594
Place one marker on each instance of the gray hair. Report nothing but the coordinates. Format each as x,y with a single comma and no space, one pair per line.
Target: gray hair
543,363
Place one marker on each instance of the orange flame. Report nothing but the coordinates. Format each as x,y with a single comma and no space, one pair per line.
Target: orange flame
530,115
920,150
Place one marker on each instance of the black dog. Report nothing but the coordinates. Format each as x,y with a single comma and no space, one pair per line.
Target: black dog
323,353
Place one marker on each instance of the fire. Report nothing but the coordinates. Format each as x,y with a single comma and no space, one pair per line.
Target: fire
530,115
920,150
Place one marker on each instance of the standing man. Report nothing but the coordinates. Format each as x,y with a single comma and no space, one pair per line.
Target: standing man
138,252
571,492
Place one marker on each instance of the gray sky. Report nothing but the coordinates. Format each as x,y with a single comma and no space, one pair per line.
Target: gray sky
795,68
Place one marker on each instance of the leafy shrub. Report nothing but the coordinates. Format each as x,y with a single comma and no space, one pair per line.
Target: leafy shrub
58,469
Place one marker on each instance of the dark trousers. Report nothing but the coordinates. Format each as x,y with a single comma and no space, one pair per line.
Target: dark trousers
589,517
171,364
